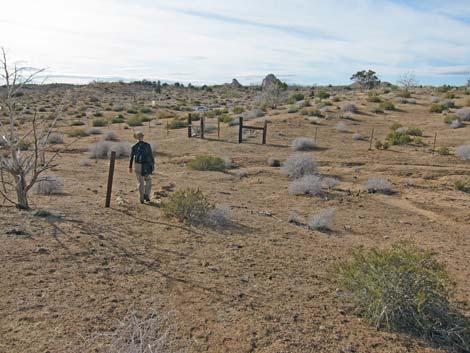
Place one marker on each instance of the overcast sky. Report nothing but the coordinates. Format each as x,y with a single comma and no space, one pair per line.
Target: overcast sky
213,41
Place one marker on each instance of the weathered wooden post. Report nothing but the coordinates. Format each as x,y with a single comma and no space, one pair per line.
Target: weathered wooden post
316,131
371,139
434,144
110,178
218,128
265,131
190,128
202,127
240,130
167,128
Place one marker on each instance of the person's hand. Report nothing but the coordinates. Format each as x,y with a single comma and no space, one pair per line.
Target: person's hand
130,170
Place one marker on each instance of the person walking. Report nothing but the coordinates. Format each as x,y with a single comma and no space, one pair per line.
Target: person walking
142,155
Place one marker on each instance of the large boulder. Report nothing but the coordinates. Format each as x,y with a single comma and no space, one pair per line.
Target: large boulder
235,83
270,81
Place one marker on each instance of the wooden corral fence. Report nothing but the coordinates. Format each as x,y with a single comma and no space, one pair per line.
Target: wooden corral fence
241,126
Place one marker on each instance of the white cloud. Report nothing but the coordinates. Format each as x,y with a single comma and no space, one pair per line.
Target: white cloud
213,41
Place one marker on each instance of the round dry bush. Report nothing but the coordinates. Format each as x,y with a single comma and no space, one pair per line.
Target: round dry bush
463,152
455,124
463,114
111,136
342,127
299,164
349,107
94,131
220,216
307,185
357,137
379,185
55,138
323,221
303,144
103,149
49,185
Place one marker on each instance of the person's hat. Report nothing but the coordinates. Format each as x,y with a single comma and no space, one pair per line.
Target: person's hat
139,135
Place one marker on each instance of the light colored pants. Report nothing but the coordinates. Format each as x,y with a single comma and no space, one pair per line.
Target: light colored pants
145,182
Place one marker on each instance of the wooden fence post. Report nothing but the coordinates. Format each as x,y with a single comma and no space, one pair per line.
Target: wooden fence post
265,131
316,131
218,128
434,144
202,127
240,130
190,123
167,128
110,178
371,139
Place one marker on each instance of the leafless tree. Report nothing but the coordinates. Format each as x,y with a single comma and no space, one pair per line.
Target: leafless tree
408,80
20,167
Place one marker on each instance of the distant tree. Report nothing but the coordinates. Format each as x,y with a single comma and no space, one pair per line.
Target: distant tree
408,80
468,83
158,87
366,79
22,153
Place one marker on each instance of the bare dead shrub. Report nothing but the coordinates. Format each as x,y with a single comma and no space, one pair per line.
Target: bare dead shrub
342,127
55,138
463,152
49,185
220,216
307,185
94,131
349,107
323,221
378,185
299,164
274,162
463,114
303,144
111,136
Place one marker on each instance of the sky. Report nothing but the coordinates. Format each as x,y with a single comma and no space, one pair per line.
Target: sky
211,41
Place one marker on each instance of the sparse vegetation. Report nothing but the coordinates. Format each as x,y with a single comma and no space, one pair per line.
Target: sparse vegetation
463,152
187,205
209,163
378,185
303,144
49,185
323,221
298,165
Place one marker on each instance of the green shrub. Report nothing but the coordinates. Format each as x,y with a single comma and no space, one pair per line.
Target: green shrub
177,123
293,109
404,93
377,110
135,120
374,98
296,97
77,133
449,95
98,114
414,131
146,110
395,126
404,289
436,108
99,123
322,94
206,162
443,151
462,185
132,111
387,105
450,118
77,123
188,205
225,119
238,110
118,119
399,138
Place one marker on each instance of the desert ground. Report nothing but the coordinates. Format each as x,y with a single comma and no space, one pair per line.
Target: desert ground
71,274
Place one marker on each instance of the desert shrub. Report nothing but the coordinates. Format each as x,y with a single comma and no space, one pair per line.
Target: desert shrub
77,133
377,110
296,219
463,114
118,119
135,120
443,151
447,104
455,124
111,136
329,183
178,124
462,185
403,93
435,100
307,185
225,119
253,114
414,131
99,123
298,165
296,97
357,137
206,162
103,149
349,107
377,185
55,138
403,289
293,109
449,95
448,119
342,127
436,108
274,162
395,126
398,137
219,216
303,144
387,105
77,123
85,162
49,185
187,205
146,110
24,145
323,221
98,114
374,98
322,94
463,152
238,110
94,131
382,145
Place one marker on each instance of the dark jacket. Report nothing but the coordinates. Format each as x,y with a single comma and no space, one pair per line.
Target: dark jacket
143,150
